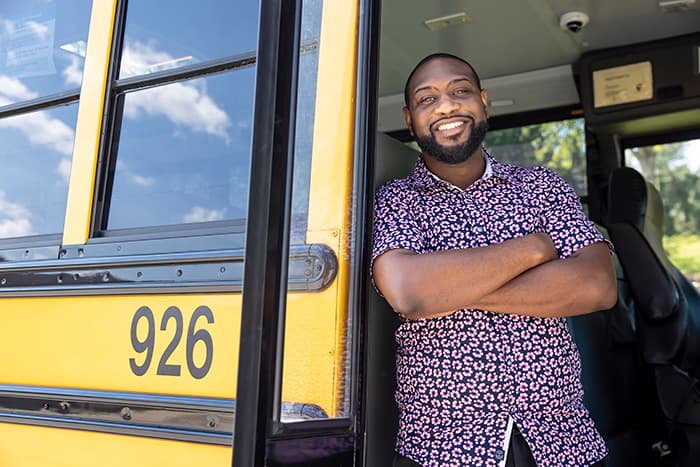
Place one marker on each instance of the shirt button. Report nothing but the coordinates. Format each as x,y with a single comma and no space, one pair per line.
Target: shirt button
500,454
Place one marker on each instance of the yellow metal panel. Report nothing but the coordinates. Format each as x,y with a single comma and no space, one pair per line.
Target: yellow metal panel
330,197
28,446
311,343
88,127
85,342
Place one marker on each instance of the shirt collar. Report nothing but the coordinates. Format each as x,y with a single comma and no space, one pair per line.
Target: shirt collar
424,178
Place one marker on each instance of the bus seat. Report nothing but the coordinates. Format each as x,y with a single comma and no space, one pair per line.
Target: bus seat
617,389
667,306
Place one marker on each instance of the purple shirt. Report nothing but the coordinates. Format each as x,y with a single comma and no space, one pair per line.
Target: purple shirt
462,376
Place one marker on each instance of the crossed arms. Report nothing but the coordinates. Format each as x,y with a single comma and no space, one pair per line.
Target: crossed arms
520,276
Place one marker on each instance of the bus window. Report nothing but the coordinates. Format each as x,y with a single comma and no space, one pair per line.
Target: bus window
192,35
317,329
42,50
180,153
42,47
36,150
558,145
674,170
184,152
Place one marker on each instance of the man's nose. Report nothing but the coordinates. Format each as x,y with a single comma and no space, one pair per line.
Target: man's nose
446,104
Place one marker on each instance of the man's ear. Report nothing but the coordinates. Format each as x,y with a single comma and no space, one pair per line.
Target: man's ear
485,101
407,117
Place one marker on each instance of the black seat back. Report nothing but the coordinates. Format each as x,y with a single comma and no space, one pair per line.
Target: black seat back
665,301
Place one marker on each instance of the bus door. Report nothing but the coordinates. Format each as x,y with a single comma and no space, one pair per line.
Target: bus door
181,232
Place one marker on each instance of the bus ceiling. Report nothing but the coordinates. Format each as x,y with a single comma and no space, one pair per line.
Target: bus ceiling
545,54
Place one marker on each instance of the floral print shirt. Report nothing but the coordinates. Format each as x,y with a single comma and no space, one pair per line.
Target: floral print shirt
461,377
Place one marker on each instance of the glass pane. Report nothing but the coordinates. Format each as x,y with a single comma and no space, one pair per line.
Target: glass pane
317,323
163,35
184,152
674,169
36,152
42,47
557,145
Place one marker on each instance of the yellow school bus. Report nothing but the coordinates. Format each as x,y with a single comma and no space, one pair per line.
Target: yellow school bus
186,208
145,148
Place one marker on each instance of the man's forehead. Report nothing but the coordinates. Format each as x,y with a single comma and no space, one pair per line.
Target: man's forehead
441,68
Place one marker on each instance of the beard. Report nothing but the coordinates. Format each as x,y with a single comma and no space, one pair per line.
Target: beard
456,153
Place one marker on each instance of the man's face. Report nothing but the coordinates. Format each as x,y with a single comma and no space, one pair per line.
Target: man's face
446,110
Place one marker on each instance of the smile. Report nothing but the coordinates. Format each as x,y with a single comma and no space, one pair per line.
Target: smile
449,126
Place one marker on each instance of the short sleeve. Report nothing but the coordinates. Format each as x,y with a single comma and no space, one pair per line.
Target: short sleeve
562,215
395,223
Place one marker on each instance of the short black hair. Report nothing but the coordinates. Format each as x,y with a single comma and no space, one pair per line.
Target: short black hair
432,57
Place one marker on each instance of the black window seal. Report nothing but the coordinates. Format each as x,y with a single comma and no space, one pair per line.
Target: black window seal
260,354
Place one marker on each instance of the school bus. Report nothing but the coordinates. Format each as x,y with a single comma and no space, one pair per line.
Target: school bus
186,216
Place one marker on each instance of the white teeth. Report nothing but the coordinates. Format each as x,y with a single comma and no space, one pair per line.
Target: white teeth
449,126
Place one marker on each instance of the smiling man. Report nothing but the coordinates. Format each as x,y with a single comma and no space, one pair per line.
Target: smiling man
483,261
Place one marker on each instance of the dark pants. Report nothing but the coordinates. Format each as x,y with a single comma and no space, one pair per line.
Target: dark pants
519,454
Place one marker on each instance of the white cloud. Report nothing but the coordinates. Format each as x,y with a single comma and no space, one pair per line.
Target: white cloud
15,220
184,103
41,129
124,170
73,74
38,127
200,214
40,30
63,168
141,180
13,90
8,25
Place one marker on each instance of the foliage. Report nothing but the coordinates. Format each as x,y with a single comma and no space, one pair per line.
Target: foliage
679,186
684,252
557,145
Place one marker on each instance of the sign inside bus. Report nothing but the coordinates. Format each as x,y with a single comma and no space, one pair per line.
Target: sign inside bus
172,319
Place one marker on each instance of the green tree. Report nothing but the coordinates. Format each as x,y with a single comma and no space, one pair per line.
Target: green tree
556,145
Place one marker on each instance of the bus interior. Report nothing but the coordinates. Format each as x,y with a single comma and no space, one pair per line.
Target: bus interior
608,95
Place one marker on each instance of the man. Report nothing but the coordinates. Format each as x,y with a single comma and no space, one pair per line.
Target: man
483,261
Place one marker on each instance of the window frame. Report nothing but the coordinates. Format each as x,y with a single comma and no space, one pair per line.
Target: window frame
45,245
115,93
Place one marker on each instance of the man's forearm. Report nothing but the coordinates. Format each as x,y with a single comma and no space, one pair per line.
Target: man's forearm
433,284
577,285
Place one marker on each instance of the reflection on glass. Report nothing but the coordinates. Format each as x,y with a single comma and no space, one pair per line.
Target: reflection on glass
316,345
36,154
194,32
184,152
556,145
42,47
674,169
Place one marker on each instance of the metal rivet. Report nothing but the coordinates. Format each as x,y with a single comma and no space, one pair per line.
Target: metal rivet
212,421
63,407
126,413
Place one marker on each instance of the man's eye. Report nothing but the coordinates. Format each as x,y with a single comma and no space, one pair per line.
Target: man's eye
426,100
461,91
